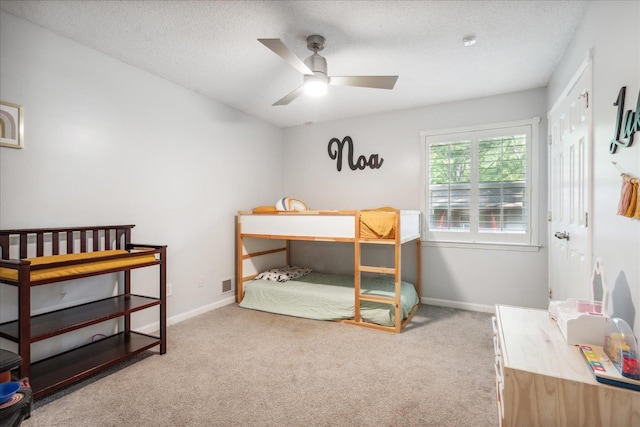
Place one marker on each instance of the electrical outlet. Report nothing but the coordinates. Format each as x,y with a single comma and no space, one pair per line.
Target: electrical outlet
201,281
169,289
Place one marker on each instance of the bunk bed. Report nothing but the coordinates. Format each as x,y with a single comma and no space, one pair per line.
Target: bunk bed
374,297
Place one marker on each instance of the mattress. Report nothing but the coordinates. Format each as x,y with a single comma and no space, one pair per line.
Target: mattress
325,296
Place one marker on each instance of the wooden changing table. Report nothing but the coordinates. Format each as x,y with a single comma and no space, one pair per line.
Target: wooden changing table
62,254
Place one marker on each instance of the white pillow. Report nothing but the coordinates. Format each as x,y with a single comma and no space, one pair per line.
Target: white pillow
282,274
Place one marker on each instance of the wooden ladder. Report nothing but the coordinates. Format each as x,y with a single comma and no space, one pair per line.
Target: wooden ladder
395,271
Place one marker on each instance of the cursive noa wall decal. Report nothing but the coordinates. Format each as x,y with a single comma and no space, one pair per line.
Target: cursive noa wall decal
626,125
336,148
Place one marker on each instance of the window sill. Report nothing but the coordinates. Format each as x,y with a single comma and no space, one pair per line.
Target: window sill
485,246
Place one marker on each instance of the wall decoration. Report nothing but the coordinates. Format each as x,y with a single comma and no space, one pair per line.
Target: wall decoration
629,204
626,125
11,117
336,147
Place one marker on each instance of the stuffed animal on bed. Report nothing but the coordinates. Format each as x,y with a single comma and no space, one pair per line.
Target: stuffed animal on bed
291,204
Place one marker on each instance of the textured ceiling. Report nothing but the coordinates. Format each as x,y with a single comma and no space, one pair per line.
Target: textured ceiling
211,47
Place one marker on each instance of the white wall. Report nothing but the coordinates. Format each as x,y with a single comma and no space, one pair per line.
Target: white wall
106,143
610,29
460,277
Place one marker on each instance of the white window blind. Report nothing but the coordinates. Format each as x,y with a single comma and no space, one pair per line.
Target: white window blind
450,184
478,184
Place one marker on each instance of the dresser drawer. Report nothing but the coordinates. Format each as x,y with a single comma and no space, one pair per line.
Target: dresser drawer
498,366
497,349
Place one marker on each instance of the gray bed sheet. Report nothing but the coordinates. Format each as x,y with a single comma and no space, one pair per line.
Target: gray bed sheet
325,296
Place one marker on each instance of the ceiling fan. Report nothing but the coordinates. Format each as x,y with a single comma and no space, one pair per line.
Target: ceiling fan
314,69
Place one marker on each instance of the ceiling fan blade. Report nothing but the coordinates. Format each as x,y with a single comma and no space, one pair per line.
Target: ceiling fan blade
376,82
282,51
288,98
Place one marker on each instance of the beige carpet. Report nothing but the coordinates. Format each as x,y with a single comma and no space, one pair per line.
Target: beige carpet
238,367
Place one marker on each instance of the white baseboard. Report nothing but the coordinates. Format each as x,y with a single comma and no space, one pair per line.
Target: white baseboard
155,326
459,305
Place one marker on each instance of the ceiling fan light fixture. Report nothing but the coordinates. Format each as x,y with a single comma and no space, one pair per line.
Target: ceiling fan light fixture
315,86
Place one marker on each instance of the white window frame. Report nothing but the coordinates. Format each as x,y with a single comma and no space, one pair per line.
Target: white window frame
474,237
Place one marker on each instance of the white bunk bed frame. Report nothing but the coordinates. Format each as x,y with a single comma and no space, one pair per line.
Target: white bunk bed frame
331,226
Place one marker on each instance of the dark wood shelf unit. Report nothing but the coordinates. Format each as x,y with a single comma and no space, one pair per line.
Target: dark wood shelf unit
58,322
65,368
115,254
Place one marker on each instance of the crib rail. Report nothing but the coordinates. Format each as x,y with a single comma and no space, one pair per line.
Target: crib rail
37,242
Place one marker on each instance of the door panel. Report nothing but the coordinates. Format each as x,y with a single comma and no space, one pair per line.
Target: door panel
570,193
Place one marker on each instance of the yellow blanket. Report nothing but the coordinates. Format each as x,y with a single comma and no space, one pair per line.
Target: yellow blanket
377,223
83,268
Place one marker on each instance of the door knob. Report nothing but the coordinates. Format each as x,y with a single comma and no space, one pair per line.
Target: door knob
562,235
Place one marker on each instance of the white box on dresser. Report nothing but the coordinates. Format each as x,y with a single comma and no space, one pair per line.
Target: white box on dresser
543,381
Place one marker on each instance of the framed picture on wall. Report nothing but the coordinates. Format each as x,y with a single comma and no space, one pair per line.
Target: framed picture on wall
11,133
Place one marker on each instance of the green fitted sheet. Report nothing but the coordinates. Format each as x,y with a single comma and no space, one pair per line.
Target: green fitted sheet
327,297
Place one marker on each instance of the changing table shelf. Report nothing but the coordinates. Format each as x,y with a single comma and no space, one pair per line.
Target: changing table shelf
63,369
69,319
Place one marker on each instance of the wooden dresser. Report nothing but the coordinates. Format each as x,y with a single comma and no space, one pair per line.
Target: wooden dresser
543,381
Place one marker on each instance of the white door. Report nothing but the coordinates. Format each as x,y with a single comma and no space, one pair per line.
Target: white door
570,174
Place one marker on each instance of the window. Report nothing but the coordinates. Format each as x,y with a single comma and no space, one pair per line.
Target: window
478,184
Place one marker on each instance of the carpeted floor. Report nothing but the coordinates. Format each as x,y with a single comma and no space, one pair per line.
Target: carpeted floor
239,367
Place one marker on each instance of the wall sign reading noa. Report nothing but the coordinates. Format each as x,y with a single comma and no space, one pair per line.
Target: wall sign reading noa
336,147
625,128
